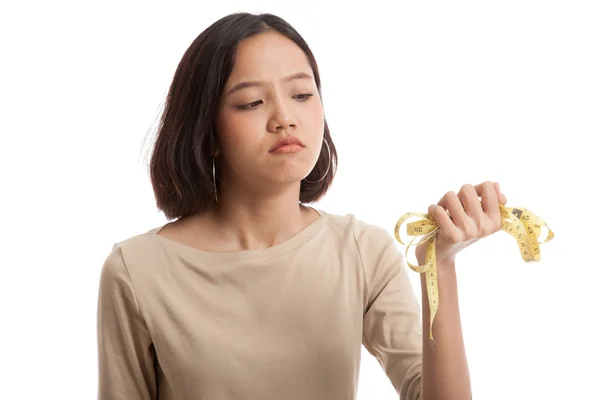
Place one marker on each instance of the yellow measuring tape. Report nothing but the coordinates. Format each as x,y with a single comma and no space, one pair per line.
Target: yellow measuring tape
521,223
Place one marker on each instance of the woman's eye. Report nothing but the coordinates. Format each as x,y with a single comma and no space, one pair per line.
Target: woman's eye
249,105
302,97
305,96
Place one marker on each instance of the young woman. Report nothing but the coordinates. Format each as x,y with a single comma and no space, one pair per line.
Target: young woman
250,293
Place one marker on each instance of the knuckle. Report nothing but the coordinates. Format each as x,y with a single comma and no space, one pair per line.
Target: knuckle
455,238
471,232
466,187
473,228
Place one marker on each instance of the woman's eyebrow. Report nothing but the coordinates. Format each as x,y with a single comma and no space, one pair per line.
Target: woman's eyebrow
247,84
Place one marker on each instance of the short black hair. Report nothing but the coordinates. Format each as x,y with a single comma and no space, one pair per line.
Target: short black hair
181,163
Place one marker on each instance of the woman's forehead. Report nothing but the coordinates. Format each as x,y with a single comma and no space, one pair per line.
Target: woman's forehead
268,57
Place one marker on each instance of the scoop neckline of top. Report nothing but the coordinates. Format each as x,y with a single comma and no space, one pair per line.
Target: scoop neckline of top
287,245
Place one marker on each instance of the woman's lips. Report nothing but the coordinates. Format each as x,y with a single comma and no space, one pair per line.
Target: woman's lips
288,148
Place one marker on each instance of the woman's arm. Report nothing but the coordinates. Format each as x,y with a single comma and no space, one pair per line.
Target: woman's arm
125,350
444,373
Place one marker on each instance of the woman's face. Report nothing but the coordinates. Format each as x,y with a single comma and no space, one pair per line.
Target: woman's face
252,118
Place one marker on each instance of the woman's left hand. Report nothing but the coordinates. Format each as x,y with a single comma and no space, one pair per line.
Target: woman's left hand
469,220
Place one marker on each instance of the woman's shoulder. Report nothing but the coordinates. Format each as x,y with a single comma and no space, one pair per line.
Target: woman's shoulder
135,246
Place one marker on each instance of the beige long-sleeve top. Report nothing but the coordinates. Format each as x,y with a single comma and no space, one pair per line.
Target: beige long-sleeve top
283,323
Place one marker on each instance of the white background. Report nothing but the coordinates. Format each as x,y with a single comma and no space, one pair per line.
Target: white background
421,98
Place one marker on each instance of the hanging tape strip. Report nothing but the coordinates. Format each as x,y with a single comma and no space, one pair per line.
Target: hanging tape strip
521,223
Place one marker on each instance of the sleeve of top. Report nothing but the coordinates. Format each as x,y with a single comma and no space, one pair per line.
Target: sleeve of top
392,322
125,350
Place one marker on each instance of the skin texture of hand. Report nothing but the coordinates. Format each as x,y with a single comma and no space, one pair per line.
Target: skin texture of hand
463,219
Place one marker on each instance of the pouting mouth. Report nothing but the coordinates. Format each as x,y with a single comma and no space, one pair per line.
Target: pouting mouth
286,141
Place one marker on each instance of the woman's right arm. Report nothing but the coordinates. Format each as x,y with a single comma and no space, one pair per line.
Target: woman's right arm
125,350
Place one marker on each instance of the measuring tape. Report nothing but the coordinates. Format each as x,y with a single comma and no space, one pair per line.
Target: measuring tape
521,223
